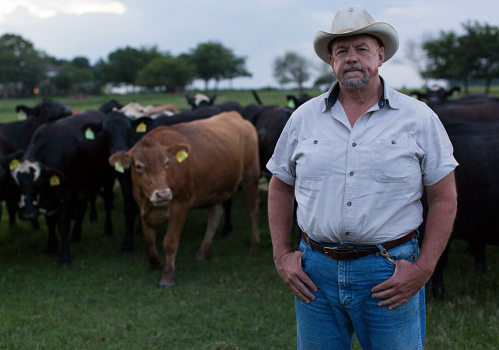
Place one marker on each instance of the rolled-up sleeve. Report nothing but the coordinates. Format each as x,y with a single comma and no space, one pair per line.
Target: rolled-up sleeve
438,161
281,164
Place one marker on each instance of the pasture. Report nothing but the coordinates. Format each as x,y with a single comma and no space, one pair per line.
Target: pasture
233,300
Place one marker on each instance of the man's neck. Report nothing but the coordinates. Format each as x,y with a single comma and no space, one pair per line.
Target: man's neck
356,102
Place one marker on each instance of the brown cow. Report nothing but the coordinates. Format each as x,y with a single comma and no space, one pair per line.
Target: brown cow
199,164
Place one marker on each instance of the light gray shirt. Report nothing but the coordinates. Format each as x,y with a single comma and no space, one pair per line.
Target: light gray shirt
361,184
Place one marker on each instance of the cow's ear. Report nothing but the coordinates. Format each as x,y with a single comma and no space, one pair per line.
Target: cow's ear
90,130
212,99
120,161
51,177
180,152
142,124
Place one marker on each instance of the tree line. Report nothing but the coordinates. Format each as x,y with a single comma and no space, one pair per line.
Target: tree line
26,71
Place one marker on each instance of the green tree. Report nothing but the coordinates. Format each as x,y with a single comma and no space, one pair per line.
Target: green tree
474,55
167,71
74,80
291,68
124,64
22,67
214,61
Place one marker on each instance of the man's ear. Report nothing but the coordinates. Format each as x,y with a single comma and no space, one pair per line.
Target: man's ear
381,55
120,161
180,152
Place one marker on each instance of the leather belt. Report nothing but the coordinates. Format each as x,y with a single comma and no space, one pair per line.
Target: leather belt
346,253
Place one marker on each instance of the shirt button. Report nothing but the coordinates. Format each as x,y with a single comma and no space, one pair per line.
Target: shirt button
347,233
351,173
394,142
315,142
354,144
349,204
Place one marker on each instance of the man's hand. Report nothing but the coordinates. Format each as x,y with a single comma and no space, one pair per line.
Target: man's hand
289,269
406,281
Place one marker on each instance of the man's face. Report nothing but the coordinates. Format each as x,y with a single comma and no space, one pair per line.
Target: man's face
355,59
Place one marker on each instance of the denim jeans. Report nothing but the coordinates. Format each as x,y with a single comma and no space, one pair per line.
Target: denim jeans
343,304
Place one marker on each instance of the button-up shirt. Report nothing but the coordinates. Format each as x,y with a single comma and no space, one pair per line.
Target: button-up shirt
361,184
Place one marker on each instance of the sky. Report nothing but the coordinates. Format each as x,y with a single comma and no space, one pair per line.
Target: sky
259,30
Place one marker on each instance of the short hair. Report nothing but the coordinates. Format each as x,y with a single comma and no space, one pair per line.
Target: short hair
330,44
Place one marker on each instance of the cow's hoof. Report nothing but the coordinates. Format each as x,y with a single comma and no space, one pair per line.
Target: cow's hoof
166,283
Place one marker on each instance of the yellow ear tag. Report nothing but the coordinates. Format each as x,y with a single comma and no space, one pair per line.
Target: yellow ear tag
141,127
89,134
291,104
181,156
14,164
118,167
54,181
22,115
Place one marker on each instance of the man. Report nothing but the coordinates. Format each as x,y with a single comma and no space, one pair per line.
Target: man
357,159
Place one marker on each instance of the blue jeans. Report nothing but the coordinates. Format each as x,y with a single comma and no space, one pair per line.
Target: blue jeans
343,304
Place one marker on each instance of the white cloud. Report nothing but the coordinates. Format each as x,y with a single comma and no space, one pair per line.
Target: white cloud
50,8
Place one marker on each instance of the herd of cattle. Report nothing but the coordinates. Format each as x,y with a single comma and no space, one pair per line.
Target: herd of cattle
56,162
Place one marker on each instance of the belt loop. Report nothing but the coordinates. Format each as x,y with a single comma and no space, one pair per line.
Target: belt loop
384,253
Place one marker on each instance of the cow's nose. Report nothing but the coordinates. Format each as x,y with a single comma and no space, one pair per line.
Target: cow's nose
164,195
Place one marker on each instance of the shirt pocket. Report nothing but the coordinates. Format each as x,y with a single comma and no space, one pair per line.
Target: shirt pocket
314,159
392,160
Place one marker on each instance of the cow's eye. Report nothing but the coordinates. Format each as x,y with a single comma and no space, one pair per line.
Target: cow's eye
139,168
166,162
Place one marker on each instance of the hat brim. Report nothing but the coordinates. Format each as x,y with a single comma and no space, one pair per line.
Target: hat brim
383,31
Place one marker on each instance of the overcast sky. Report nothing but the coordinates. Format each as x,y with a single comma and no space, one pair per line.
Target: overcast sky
259,30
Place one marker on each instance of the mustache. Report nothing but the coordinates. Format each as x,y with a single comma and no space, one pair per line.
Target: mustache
352,67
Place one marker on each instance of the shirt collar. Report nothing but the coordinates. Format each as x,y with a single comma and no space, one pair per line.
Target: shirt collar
332,97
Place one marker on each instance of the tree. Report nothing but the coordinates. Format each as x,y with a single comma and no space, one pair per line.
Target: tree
167,71
214,61
291,68
124,64
326,77
22,67
74,80
474,55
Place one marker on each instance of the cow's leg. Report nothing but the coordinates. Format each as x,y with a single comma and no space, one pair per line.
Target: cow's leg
228,218
250,187
66,210
150,240
478,250
79,213
130,209
51,221
108,207
437,280
170,245
214,218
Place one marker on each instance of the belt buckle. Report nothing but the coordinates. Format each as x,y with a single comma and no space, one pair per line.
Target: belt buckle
329,250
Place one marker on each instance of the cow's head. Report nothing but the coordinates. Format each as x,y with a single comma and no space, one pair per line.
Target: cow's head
46,110
39,187
200,100
155,168
109,106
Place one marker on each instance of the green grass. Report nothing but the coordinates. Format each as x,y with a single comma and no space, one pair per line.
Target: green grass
233,300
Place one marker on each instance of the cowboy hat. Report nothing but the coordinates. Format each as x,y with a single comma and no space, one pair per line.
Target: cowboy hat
352,20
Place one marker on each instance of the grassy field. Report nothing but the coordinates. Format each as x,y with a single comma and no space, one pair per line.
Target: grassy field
234,300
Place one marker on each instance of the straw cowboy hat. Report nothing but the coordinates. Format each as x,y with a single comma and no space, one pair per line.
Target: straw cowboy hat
351,20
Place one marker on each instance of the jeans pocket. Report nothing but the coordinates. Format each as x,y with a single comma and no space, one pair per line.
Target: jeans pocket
408,251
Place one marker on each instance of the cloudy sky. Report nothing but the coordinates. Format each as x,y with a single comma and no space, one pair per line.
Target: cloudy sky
259,30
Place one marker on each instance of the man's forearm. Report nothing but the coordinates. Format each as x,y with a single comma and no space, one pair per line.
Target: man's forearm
280,212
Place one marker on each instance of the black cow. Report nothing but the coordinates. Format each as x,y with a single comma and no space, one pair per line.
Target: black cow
476,149
474,110
200,100
110,106
122,133
16,136
436,95
295,102
59,167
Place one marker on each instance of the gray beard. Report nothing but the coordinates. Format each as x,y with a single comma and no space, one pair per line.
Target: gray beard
356,84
